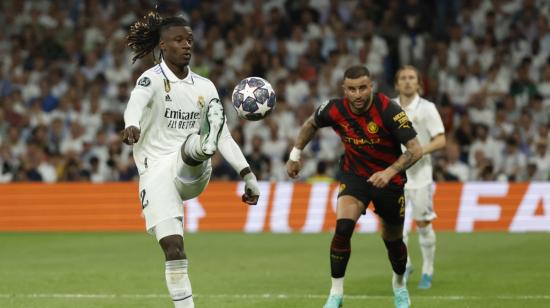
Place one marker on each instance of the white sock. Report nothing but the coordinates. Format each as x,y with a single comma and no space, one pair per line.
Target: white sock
337,287
397,281
193,148
426,238
178,284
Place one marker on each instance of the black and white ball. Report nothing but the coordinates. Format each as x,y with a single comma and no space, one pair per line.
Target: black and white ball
253,98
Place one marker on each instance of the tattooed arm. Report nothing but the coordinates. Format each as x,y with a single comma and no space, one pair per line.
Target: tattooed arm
412,154
305,135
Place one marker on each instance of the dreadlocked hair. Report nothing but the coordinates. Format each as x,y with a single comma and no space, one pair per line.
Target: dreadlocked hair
144,34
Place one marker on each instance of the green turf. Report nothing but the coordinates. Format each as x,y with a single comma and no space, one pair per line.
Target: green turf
266,270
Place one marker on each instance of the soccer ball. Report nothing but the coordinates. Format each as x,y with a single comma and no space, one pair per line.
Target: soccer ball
253,98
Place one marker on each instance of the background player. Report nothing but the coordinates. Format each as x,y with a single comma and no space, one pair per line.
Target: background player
175,121
372,129
419,188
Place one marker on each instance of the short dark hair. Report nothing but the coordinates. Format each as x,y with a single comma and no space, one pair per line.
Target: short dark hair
356,71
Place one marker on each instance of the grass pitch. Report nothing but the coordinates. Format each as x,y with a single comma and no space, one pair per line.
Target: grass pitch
266,270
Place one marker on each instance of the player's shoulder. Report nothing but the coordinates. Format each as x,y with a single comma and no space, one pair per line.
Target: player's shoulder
327,104
201,81
426,105
150,77
385,103
425,102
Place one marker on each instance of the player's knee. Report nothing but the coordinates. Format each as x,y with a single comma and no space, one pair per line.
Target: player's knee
426,236
174,253
422,224
342,235
173,248
345,227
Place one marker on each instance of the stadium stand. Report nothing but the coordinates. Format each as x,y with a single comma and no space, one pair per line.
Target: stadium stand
66,75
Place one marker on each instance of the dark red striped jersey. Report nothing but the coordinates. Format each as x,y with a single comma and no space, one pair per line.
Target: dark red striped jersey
372,140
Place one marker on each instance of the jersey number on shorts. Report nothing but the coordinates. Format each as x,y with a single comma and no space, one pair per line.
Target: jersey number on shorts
144,202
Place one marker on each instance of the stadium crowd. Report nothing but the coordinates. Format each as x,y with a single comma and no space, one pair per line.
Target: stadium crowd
66,75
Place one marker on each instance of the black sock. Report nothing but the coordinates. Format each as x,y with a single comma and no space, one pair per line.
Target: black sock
340,247
397,253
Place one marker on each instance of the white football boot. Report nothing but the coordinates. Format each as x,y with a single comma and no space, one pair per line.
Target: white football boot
212,121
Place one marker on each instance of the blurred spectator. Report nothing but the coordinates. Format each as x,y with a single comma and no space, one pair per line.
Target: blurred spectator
541,161
513,162
453,165
260,163
487,145
66,75
321,175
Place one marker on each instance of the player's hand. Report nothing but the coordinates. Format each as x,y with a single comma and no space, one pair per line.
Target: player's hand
381,178
293,168
130,135
251,189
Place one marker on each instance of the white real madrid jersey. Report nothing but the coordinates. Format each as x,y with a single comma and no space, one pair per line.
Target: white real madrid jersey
428,124
166,112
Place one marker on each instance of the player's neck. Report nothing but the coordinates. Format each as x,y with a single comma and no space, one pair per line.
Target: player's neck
180,71
406,100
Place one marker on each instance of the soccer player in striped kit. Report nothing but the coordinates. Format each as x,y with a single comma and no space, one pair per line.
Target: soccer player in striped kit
175,121
372,129
419,188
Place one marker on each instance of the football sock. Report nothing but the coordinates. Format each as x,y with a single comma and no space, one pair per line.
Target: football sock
397,253
426,238
340,247
397,281
337,287
178,284
192,148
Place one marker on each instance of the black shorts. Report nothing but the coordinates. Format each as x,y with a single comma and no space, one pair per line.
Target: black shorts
389,202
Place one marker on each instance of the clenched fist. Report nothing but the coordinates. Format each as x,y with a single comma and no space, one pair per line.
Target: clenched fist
293,168
130,135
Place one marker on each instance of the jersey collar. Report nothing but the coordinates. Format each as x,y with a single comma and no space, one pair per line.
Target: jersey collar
172,77
412,105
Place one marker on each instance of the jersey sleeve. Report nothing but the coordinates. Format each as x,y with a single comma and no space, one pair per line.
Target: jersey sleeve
433,121
322,117
139,98
398,123
230,150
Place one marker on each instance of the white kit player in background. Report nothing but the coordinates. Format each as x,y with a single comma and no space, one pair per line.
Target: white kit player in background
175,122
419,187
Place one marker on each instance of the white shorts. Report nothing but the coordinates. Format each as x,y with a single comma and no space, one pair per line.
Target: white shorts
162,189
421,201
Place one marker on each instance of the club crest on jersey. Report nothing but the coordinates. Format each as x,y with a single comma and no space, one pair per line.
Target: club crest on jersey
372,127
144,81
167,98
201,101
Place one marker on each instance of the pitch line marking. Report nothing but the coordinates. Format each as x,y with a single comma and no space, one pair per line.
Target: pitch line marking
268,296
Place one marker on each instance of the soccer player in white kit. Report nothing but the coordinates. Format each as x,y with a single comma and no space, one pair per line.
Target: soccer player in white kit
419,187
175,121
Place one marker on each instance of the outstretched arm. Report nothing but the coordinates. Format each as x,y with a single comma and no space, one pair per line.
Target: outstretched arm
232,153
305,135
412,154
